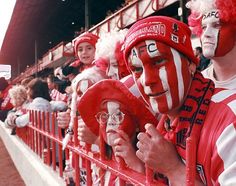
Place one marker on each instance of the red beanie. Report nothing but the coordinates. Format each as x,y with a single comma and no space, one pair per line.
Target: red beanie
164,29
85,37
105,90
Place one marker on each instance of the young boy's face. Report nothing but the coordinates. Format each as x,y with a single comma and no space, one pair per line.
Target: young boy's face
163,74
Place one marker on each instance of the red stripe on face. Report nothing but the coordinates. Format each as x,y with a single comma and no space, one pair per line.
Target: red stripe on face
163,76
171,71
226,39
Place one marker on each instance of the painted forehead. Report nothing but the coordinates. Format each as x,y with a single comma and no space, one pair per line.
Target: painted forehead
211,16
149,49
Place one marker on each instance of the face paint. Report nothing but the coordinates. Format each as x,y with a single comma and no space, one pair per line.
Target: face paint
163,74
113,118
112,70
217,38
111,127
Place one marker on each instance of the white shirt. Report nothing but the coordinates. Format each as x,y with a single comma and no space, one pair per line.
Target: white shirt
37,104
227,84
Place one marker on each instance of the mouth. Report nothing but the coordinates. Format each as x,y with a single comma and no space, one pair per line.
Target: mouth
157,94
208,43
111,132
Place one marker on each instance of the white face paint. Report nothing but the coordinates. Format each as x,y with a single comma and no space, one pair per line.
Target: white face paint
164,76
112,70
209,37
111,128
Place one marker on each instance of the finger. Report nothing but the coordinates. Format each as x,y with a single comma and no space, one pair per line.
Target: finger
151,130
120,154
118,141
123,135
140,155
143,137
118,148
141,146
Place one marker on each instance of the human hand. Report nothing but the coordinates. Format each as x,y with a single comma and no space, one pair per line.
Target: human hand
10,120
63,119
84,133
123,147
158,153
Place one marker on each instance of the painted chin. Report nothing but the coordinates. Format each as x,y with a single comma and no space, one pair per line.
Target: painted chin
157,95
111,137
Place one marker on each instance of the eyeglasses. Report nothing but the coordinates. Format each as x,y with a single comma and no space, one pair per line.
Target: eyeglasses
117,117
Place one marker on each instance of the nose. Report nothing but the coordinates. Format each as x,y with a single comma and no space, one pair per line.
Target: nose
207,32
150,76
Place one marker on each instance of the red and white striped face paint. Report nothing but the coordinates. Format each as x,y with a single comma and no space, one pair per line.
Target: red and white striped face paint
217,38
163,74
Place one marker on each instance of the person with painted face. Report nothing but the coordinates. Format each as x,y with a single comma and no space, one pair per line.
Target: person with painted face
198,124
214,21
119,116
109,55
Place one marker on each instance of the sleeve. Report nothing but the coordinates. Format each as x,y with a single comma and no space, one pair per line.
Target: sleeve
224,157
22,121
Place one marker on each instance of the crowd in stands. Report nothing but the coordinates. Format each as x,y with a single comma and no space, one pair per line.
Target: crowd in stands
144,91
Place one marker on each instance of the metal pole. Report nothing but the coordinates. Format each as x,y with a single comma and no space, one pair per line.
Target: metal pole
87,16
182,12
36,57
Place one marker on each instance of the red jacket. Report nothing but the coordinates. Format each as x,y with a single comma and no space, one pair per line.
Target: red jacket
6,104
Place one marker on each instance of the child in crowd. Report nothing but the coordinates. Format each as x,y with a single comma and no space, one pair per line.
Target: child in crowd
84,47
109,107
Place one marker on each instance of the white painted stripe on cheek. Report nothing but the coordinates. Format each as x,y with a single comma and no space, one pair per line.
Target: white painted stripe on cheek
164,82
154,105
152,48
178,66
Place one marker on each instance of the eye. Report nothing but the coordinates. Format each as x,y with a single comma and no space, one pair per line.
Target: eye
217,25
159,61
137,70
203,27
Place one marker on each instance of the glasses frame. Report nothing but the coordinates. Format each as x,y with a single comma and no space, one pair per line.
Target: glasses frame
113,115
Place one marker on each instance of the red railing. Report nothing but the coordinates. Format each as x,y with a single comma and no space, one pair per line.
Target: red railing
45,139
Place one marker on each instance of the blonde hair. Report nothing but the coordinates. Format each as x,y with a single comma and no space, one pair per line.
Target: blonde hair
107,43
17,91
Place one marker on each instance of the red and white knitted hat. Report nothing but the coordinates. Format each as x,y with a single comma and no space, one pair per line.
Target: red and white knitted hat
85,37
164,29
113,90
